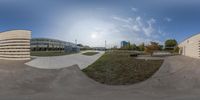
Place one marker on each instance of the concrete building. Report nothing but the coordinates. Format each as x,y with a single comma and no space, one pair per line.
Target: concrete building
15,45
46,44
191,46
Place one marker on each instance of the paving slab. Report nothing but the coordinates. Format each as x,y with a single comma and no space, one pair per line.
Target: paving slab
64,61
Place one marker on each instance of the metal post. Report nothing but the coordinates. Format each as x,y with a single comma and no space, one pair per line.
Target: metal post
105,45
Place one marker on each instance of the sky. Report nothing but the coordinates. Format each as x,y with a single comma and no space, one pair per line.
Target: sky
92,22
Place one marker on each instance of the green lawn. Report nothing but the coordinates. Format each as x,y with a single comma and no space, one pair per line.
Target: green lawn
48,53
90,53
118,68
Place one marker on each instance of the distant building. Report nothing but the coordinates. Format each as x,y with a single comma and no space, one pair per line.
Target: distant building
46,44
190,47
15,45
124,43
99,48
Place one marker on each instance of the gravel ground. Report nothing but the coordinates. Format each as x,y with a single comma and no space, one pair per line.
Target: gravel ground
177,79
64,61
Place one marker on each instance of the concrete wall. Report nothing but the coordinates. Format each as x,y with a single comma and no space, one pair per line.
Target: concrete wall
15,45
191,47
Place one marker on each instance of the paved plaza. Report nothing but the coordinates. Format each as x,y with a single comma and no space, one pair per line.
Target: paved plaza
177,79
65,61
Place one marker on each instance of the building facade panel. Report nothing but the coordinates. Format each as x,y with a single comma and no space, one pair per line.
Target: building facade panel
191,47
15,45
46,44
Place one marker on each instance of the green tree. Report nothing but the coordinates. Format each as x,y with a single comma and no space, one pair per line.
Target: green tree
176,49
133,47
170,44
128,46
154,46
141,47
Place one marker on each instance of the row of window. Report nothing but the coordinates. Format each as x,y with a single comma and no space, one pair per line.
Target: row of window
14,48
47,49
47,43
37,44
14,42
4,40
44,46
13,54
17,51
63,43
14,45
49,40
14,57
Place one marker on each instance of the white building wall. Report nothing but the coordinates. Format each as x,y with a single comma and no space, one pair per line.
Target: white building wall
191,47
15,45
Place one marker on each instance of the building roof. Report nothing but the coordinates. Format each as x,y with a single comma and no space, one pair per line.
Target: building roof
190,37
14,30
53,40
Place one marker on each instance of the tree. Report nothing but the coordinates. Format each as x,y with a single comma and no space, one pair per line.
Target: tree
161,47
133,47
176,49
141,47
170,44
154,46
128,46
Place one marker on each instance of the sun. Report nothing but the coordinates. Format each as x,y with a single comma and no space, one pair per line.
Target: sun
93,36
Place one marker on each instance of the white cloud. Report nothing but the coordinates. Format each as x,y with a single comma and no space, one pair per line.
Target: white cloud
134,9
139,21
151,21
139,30
161,32
167,19
148,31
128,20
136,28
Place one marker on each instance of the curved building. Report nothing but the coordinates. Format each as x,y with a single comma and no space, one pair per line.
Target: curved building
15,45
191,47
46,44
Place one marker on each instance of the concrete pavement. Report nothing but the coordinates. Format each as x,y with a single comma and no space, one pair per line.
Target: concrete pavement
64,61
177,79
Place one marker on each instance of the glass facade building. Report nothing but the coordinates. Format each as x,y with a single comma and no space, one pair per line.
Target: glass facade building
46,44
124,43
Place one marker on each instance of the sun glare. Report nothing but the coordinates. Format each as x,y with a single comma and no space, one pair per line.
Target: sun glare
93,36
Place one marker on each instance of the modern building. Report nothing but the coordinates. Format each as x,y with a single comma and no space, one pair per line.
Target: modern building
99,48
15,45
190,46
124,43
46,44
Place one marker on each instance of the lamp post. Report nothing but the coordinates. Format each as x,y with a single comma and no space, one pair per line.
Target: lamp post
105,45
76,41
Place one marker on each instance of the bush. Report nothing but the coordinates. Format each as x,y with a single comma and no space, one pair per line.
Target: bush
134,55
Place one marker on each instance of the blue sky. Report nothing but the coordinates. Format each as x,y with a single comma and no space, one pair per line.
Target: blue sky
92,22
